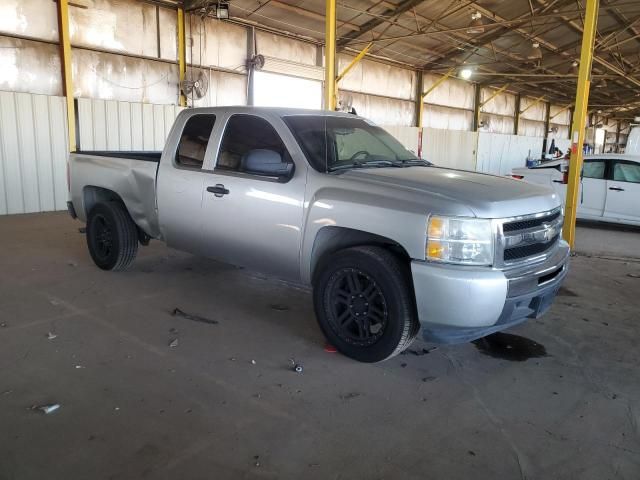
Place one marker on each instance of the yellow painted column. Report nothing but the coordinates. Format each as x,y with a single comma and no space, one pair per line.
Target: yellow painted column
182,53
579,118
67,75
330,56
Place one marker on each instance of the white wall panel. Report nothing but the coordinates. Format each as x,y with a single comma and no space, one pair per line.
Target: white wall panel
535,109
499,154
531,128
450,148
452,92
33,153
408,136
28,66
29,18
382,110
112,125
377,79
497,123
277,46
224,89
216,43
435,116
501,104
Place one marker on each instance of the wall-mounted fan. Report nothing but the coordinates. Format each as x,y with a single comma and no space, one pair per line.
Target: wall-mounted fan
196,83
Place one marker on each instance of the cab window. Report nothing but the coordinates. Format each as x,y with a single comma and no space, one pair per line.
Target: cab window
594,169
251,145
194,140
626,172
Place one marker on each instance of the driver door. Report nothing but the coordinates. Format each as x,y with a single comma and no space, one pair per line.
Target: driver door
249,218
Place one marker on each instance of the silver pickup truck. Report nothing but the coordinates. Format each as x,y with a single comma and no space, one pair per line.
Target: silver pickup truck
390,243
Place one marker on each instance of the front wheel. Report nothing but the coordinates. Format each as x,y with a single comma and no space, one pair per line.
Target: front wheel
364,303
112,237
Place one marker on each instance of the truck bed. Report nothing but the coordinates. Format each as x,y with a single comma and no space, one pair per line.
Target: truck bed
131,175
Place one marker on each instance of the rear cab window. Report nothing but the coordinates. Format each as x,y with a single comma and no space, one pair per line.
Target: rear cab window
194,140
626,171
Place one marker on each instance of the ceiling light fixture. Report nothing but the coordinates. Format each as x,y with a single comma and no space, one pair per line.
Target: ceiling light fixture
574,69
466,73
477,25
535,53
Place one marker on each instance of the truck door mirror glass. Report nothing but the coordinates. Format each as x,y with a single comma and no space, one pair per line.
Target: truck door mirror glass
265,162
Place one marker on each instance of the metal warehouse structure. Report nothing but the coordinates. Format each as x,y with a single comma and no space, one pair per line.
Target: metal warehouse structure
477,85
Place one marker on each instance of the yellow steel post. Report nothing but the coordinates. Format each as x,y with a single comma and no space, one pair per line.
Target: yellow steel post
330,56
354,62
67,76
182,53
577,135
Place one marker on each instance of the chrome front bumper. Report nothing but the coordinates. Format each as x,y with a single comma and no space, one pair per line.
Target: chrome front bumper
458,304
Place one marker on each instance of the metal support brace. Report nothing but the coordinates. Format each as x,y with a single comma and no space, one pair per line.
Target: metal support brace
534,103
354,62
479,104
182,53
577,129
560,111
67,76
330,56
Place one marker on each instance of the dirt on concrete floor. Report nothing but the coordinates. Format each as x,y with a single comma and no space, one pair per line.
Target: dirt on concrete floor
562,402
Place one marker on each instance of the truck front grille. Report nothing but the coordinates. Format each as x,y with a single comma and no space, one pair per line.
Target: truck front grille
528,238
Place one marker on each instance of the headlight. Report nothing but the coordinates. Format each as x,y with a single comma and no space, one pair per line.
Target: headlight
467,241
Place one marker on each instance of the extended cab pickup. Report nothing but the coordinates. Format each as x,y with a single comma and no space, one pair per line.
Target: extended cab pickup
390,243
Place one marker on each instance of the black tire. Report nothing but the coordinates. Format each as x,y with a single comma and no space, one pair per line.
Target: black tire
112,236
364,303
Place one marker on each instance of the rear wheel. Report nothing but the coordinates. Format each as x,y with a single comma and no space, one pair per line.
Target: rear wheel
112,236
364,303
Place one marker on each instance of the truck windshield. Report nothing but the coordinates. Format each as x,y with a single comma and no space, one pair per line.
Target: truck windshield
333,143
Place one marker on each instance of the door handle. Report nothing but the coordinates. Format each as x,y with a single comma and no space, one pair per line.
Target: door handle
219,190
617,189
557,181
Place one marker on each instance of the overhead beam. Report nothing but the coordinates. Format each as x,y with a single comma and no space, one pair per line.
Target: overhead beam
399,9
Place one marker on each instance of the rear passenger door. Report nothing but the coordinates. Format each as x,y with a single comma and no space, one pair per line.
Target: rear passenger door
623,192
593,191
252,210
180,182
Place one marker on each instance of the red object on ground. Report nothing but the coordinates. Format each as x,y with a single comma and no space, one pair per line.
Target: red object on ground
330,348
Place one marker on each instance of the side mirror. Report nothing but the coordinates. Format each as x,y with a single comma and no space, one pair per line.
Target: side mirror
266,162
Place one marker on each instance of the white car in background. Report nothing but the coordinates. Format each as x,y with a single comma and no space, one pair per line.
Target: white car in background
609,186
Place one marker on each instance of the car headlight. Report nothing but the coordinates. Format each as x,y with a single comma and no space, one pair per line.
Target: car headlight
467,241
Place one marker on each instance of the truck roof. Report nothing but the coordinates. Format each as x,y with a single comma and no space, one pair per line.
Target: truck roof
279,111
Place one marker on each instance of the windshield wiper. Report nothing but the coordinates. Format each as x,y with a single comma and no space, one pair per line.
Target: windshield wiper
370,164
413,162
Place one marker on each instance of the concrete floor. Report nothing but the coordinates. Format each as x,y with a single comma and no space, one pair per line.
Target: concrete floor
133,407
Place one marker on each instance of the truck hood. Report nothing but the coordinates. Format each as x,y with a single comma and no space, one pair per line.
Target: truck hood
487,196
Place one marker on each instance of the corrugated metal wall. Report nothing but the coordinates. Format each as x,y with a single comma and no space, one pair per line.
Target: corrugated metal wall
450,148
33,153
498,153
113,125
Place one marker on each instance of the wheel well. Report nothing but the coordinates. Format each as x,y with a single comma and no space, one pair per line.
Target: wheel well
331,239
92,195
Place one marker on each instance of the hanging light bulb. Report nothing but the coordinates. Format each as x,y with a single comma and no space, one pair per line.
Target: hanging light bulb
466,73
535,53
574,69
477,25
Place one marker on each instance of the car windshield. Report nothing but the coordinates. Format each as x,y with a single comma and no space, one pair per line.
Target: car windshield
333,143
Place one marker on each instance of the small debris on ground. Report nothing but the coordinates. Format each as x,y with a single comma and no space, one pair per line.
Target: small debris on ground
46,409
403,365
82,230
256,458
51,335
173,343
349,396
295,366
6,392
173,330
278,307
472,453
330,348
428,379
633,275
3,325
179,313
418,353
116,408
72,264
253,362
79,366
